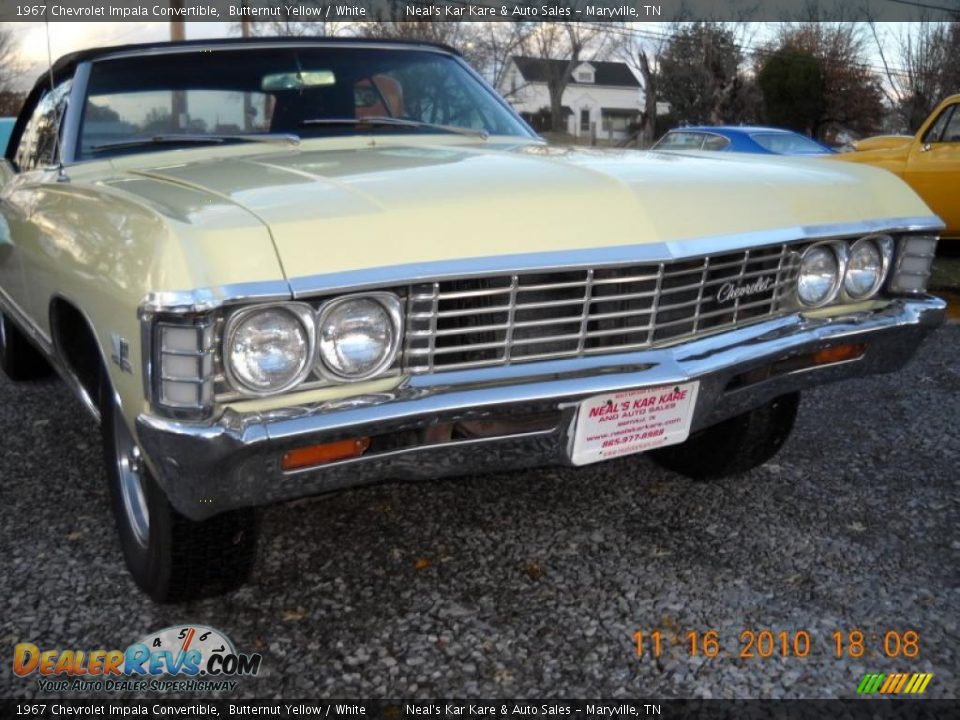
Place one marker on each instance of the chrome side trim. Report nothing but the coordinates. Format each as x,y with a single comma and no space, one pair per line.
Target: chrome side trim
598,257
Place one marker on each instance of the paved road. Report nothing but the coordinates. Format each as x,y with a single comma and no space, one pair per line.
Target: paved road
533,584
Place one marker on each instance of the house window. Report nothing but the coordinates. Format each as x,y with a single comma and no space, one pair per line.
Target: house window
585,77
616,121
584,121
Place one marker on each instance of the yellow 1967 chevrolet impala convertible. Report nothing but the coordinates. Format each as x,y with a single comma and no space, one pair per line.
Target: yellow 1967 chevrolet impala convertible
276,269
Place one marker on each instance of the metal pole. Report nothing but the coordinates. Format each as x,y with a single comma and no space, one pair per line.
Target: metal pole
178,99
245,31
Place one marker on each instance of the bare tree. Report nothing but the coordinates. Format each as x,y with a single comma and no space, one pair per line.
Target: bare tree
391,23
10,68
700,71
564,43
493,45
926,68
641,51
11,71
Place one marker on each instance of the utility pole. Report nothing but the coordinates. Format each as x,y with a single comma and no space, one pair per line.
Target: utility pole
178,99
245,31
176,26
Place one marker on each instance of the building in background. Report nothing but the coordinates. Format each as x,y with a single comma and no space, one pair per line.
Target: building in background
602,99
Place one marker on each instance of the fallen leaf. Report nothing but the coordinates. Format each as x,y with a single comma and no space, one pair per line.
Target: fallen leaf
422,564
259,644
75,535
293,615
535,570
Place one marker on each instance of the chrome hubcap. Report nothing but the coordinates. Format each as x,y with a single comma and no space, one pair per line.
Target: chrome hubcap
130,472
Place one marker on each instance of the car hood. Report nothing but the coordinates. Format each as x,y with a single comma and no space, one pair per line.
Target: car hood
352,208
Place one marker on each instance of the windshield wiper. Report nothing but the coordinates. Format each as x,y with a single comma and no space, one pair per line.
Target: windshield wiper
399,122
199,139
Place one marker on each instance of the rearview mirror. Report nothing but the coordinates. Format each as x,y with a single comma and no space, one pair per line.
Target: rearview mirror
297,80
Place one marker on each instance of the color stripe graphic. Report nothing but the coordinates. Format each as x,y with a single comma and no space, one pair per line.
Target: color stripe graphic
894,684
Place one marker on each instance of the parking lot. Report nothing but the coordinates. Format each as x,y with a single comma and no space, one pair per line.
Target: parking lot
533,584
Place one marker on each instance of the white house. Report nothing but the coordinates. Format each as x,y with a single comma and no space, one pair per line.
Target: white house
601,97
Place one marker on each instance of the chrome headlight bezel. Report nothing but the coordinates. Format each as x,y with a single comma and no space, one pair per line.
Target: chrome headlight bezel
841,252
303,313
884,245
391,304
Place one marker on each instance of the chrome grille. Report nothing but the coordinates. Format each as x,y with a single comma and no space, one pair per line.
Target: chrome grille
503,319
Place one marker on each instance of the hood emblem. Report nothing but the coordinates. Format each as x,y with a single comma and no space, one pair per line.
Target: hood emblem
728,291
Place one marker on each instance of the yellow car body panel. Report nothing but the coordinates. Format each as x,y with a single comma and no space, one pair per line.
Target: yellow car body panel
932,169
209,219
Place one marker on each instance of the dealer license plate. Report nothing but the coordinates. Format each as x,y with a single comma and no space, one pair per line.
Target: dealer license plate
632,421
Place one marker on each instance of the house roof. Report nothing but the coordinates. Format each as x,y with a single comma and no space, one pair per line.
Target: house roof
616,74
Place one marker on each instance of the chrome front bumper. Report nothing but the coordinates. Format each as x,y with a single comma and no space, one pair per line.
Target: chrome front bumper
235,462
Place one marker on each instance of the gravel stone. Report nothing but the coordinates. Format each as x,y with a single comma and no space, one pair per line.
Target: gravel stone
536,581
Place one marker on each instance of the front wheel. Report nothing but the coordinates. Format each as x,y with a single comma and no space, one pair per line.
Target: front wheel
735,445
171,557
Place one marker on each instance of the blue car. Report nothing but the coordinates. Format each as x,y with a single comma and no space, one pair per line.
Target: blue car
6,127
741,138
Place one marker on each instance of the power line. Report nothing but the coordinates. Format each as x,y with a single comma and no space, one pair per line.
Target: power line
925,6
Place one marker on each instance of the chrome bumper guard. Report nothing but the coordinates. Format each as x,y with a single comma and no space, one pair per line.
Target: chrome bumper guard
236,461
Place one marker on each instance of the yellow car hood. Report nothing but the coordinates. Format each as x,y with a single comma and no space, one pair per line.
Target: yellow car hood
350,208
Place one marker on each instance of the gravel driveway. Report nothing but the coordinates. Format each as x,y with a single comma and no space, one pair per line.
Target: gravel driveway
533,584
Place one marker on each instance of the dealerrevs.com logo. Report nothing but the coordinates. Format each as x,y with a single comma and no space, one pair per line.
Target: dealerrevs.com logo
181,658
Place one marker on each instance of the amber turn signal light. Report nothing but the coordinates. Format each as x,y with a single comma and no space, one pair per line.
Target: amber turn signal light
838,354
326,453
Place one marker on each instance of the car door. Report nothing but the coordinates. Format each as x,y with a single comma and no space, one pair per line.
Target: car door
933,167
30,174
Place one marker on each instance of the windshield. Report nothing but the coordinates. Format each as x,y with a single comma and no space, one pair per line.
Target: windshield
788,144
228,94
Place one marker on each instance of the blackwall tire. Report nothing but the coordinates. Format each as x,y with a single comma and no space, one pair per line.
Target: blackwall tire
735,445
171,557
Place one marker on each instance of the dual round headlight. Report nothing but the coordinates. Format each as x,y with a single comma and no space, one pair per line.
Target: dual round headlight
858,270
272,349
357,337
819,275
865,269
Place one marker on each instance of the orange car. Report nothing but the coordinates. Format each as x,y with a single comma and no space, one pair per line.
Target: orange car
929,161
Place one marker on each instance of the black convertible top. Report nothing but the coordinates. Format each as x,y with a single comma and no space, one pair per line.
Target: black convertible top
67,62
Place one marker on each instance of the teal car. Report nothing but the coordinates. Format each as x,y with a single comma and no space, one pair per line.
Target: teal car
6,127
